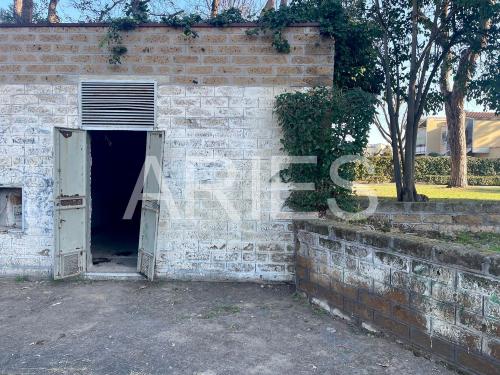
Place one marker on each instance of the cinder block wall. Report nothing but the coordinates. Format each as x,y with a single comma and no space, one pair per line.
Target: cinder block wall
439,297
215,99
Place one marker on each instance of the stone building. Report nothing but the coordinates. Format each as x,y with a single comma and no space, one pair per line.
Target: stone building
76,132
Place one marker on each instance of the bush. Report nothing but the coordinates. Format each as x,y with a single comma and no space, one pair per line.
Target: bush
326,123
472,180
434,168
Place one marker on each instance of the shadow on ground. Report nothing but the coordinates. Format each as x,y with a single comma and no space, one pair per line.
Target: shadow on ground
183,328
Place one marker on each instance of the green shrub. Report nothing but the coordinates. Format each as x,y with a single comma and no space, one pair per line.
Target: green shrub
433,168
472,180
326,123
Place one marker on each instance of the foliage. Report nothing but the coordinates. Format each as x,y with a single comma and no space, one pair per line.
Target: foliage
134,16
484,240
227,17
471,180
486,88
326,123
184,21
39,13
435,170
187,21
355,55
415,38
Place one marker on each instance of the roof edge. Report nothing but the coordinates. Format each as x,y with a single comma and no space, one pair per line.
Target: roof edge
151,24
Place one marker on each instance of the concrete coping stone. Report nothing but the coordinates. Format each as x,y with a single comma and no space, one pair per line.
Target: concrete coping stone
150,24
437,207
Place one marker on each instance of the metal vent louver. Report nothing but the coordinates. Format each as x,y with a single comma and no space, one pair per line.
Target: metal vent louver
117,104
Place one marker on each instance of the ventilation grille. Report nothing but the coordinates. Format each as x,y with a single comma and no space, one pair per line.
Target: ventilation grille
71,264
146,264
117,104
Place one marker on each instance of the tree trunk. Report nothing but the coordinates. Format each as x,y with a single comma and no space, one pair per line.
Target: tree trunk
215,8
23,11
409,192
18,10
52,16
269,5
454,104
283,3
457,143
27,11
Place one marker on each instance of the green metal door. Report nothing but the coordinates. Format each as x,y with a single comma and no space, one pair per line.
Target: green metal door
70,213
150,210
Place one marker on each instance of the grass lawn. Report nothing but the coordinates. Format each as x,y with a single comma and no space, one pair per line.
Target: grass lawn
486,241
437,191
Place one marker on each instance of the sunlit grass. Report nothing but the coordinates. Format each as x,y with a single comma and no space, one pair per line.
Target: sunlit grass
387,190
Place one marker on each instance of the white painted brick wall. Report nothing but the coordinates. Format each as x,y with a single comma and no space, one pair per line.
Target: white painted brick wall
206,129
28,114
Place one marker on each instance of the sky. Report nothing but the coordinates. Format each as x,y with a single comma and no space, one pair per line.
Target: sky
68,13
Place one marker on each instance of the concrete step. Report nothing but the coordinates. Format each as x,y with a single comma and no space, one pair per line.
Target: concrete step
127,276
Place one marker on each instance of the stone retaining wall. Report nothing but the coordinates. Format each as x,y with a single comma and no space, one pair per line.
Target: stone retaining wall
439,297
438,216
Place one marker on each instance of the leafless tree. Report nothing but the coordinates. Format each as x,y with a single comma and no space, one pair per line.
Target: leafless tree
102,10
247,7
383,124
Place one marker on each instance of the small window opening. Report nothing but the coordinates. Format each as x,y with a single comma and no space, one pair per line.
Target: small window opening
11,208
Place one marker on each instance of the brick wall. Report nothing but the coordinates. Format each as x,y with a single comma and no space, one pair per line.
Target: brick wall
219,56
28,115
440,298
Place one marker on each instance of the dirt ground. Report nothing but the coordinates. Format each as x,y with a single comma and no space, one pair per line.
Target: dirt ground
184,328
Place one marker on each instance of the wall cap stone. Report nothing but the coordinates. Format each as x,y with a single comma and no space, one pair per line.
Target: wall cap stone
148,25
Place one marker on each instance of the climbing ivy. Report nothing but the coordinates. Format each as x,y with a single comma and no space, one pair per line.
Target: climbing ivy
134,16
327,123
355,53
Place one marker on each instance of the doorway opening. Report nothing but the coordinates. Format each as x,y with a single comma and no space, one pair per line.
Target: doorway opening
117,159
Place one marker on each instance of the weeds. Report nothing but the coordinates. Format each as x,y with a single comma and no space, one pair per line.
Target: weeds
222,310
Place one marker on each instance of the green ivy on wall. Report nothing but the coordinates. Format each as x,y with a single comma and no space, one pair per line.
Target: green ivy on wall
327,123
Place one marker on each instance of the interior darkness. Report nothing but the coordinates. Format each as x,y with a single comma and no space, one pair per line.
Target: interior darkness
117,159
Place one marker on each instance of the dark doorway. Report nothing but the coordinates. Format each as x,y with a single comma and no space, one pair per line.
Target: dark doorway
117,160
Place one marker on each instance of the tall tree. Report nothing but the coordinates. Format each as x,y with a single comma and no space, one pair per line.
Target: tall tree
457,71
52,16
18,10
411,52
269,5
27,11
383,124
214,8
23,11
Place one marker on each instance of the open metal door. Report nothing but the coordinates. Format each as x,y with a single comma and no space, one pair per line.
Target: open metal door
150,210
71,213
